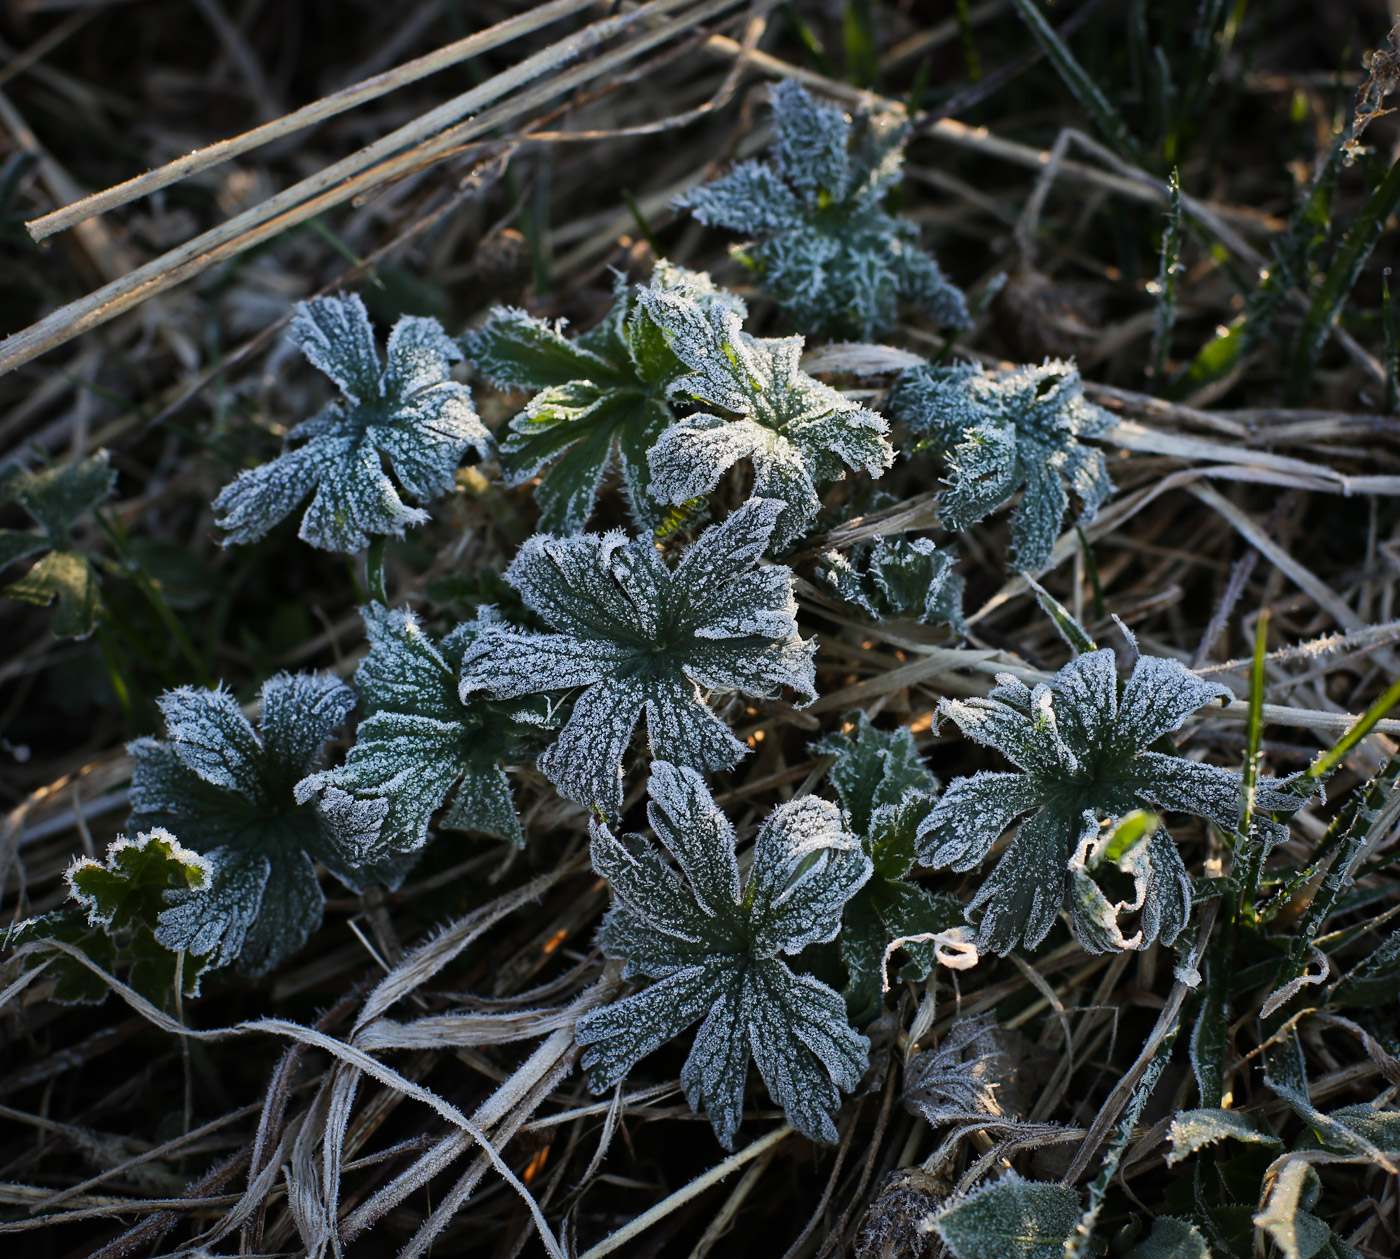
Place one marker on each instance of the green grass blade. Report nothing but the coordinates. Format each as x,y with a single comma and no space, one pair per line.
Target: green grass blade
1254,848
1164,288
1392,346
1342,275
862,50
1077,79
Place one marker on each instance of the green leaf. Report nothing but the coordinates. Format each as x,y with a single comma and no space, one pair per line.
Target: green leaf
121,899
409,414
712,941
228,790
823,244
1087,745
1192,1130
69,577
59,497
897,577
999,432
1171,1238
602,399
1296,1233
1375,981
634,636
1010,1219
419,741
796,431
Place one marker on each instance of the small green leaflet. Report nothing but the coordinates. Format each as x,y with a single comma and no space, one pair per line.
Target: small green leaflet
410,414
823,244
602,399
57,498
897,577
1000,432
119,902
634,636
419,741
1090,748
797,432
227,789
1193,1130
1171,1238
885,793
1010,1219
712,941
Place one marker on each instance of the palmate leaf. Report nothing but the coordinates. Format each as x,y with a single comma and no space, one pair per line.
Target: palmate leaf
118,902
885,793
712,941
409,413
228,789
897,577
796,431
1088,747
419,741
57,498
602,399
823,244
1001,432
635,636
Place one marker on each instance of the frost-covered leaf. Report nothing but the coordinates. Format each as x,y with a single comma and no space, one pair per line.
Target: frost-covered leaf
712,940
409,414
1010,1219
1171,1238
419,741
823,244
635,636
1088,745
228,790
797,432
953,1082
1160,896
601,402
897,577
1285,1218
118,903
999,432
57,498
1381,1128
1192,1130
1375,981
885,793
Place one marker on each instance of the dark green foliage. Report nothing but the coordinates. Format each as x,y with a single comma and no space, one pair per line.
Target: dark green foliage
118,916
228,790
885,793
57,498
824,245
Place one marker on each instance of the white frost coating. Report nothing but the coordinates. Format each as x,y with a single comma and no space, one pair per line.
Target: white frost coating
637,637
1085,750
420,741
896,577
600,401
712,942
227,790
410,414
825,246
1010,1219
797,431
1004,431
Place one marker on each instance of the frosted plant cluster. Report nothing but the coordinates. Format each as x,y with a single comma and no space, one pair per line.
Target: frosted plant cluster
640,654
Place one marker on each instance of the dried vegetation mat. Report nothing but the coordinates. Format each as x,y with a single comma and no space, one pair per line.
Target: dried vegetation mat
623,543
